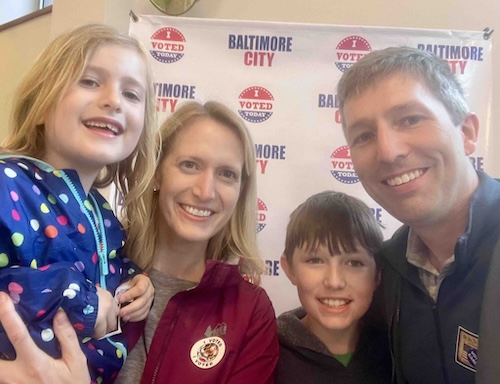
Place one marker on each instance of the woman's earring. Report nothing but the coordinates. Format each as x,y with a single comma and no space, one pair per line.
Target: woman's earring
155,189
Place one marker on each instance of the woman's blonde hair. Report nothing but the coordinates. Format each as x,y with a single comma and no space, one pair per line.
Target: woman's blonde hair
57,68
238,237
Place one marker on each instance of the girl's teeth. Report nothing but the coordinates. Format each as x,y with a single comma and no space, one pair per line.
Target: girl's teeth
111,127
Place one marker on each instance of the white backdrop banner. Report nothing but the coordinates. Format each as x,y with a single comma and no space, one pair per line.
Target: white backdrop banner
281,79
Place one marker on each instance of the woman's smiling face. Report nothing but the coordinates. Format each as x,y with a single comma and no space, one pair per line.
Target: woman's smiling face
199,181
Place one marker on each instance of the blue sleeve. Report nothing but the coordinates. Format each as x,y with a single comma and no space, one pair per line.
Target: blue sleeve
130,269
48,260
33,270
38,293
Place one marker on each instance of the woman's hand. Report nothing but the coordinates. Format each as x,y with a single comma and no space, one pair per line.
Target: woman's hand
139,298
32,365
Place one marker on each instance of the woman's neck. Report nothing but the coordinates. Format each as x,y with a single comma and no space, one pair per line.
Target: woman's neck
184,261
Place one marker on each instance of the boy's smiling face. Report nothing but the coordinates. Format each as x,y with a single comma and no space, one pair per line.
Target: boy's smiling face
336,291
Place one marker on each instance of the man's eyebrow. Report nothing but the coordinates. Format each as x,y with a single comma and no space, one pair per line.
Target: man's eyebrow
396,110
411,106
358,124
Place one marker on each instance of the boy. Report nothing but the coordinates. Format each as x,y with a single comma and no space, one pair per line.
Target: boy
329,253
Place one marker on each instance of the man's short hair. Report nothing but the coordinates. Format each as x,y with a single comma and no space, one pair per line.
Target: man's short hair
426,66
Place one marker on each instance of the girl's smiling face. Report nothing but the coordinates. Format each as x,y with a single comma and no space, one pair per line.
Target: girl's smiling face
99,120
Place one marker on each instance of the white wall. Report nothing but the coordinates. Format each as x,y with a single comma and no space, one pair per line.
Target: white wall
19,46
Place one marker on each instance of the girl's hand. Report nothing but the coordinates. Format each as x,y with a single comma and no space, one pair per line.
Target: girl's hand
107,314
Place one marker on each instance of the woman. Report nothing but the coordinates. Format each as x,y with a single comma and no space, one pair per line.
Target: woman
194,232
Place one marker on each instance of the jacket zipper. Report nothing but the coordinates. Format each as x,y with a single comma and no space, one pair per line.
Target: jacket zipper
97,225
440,344
164,347
397,377
394,320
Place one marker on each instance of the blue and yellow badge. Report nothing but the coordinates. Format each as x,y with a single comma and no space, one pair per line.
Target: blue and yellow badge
466,349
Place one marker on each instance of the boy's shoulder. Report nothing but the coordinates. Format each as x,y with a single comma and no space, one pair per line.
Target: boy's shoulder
291,319
303,357
293,333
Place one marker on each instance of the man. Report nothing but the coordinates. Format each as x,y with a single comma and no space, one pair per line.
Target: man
409,129
32,365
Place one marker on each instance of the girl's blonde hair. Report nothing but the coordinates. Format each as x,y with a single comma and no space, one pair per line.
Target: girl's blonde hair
238,237
57,68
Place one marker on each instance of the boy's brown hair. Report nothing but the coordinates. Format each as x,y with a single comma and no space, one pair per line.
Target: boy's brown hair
333,219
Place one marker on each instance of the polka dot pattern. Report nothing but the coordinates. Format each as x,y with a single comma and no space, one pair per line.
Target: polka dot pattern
51,232
47,335
4,260
15,215
50,257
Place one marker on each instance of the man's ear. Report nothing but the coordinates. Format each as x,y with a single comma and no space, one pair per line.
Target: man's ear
470,130
288,269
